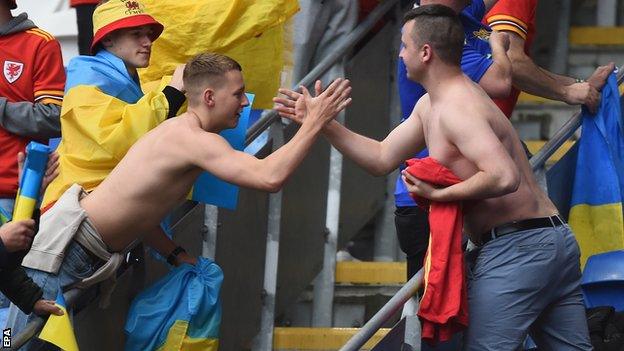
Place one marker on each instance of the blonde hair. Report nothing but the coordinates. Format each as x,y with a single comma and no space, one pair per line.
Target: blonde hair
207,69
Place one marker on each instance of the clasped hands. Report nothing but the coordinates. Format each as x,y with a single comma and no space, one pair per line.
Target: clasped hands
324,105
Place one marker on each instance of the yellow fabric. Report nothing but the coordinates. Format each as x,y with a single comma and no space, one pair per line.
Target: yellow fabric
178,340
251,32
597,229
114,10
59,331
98,130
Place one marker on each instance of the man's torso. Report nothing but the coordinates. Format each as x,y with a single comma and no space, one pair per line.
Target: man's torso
153,177
481,215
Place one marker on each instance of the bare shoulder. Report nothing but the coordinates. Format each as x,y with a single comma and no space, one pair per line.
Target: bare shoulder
422,107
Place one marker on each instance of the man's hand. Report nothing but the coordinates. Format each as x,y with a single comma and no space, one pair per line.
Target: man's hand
324,106
588,93
419,188
46,307
17,236
176,80
600,75
499,39
184,257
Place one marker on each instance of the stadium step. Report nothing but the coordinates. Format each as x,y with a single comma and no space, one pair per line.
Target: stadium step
290,338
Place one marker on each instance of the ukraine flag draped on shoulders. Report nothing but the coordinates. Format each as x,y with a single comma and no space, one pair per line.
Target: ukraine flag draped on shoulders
182,311
249,31
104,111
596,215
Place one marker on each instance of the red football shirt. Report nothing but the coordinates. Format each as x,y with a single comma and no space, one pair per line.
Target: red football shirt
518,17
32,67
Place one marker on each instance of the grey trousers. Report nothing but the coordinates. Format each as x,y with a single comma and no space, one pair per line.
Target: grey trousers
526,282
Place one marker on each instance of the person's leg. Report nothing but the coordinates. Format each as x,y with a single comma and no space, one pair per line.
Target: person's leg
508,287
563,324
412,228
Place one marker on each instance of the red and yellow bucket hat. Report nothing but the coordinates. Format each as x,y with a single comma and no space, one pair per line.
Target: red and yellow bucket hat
119,14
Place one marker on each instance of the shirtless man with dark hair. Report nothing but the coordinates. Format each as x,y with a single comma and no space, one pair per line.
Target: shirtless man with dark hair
82,237
526,274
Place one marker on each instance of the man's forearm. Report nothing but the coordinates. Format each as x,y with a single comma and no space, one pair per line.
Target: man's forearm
528,77
479,186
364,151
281,164
159,241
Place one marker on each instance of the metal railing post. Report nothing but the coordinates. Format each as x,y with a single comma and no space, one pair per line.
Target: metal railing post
323,294
211,224
264,340
386,312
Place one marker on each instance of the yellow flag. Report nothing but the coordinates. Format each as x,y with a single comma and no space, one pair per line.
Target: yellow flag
251,32
58,329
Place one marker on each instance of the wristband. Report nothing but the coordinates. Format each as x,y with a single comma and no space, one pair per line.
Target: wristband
171,259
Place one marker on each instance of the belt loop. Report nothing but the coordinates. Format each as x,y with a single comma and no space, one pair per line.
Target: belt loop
560,219
550,218
493,233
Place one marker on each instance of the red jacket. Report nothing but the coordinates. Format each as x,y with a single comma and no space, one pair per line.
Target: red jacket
444,305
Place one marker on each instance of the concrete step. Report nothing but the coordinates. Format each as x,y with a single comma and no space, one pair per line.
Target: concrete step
371,273
286,339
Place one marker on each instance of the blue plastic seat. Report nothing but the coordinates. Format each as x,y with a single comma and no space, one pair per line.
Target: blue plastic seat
603,280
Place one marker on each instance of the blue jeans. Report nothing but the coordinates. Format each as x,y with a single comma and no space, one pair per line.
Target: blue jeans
77,265
526,282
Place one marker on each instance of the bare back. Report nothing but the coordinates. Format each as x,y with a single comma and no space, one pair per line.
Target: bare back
462,117
155,175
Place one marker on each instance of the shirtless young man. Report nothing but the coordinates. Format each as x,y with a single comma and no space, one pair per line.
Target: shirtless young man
158,172
526,278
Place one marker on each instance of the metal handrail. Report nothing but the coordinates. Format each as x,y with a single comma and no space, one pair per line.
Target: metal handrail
385,313
345,45
564,133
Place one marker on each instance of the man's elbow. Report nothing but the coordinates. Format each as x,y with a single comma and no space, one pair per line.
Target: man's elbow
502,87
509,183
273,185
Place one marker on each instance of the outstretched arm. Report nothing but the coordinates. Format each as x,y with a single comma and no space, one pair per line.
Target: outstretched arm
269,174
376,157
529,77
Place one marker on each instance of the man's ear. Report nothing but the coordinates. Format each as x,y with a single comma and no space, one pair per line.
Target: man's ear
209,97
426,53
107,41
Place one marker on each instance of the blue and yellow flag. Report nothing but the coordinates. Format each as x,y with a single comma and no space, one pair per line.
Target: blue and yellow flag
58,329
182,311
30,182
598,191
251,32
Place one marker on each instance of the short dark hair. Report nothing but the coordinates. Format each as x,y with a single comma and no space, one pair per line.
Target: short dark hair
207,69
440,27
